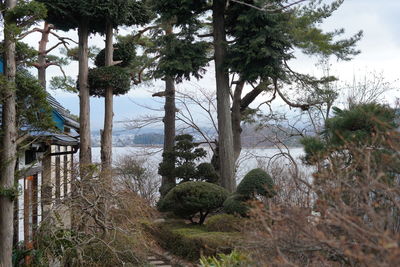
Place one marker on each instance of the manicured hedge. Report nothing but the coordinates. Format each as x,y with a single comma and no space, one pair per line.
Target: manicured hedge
256,182
192,241
104,77
188,199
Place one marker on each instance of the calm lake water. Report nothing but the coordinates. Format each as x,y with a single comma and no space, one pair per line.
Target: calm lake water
250,157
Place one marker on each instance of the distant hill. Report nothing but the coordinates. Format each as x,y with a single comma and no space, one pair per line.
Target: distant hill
252,136
268,135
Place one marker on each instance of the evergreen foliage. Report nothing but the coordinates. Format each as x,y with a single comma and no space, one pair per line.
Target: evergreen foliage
122,12
256,182
360,125
24,53
113,77
185,154
123,51
33,110
236,204
191,198
206,173
182,12
25,14
261,42
68,14
182,58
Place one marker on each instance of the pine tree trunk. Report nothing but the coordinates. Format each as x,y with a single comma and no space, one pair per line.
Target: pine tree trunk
237,119
42,55
85,155
9,147
106,140
169,129
225,135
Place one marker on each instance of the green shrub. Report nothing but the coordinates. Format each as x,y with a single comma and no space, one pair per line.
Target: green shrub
190,198
104,77
224,223
236,205
256,182
125,52
235,258
184,156
192,241
206,172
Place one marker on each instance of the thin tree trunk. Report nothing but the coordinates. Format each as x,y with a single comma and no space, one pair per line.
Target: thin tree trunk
169,130
85,155
169,127
42,55
237,119
9,147
106,140
225,135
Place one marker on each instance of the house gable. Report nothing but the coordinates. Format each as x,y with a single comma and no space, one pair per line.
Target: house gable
58,119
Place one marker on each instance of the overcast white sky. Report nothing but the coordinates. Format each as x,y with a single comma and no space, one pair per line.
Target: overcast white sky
380,48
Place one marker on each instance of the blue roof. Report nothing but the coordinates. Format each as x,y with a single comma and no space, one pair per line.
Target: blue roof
56,138
61,117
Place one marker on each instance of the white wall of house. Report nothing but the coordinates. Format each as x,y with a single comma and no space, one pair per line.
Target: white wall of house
64,183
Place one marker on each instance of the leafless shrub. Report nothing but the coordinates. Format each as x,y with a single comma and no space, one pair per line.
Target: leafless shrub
292,186
106,226
138,176
355,220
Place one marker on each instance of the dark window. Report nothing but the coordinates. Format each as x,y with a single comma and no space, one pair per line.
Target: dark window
30,156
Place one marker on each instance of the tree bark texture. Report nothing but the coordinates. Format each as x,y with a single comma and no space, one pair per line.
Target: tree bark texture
239,105
85,155
237,119
225,135
169,127
8,147
42,55
106,140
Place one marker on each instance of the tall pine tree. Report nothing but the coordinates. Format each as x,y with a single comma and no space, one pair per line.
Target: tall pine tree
262,36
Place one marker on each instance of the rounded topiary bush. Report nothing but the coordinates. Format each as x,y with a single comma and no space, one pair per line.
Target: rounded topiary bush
125,52
206,172
256,182
105,77
190,198
236,205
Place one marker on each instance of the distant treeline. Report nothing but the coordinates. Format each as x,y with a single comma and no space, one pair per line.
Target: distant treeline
149,139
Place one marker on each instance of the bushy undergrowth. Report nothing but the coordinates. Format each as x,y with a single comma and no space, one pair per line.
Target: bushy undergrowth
352,220
236,204
107,228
